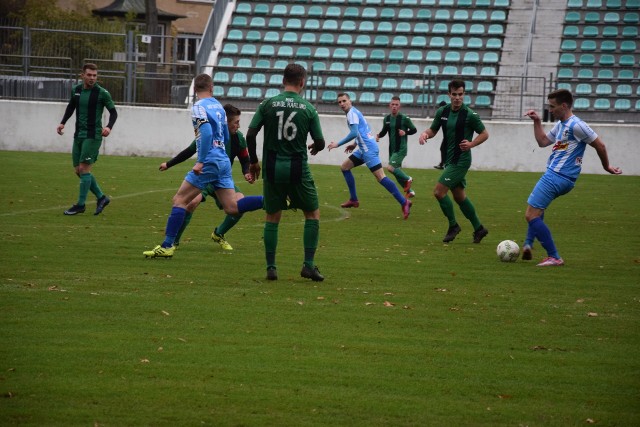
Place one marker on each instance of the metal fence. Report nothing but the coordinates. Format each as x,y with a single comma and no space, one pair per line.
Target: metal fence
43,63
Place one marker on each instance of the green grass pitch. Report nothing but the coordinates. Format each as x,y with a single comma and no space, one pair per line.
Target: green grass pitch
404,331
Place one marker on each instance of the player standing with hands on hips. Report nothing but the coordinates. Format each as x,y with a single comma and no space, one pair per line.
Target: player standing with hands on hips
88,100
569,138
458,123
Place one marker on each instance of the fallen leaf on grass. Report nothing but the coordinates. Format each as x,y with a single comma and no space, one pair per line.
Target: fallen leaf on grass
407,307
539,347
590,421
144,361
56,288
388,304
580,300
320,298
592,314
441,290
166,313
388,294
454,308
505,396
369,303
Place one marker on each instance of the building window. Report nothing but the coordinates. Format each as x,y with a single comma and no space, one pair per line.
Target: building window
187,48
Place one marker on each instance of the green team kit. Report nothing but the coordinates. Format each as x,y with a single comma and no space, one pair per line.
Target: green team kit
284,156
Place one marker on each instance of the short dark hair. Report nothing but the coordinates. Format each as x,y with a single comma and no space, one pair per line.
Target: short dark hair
294,74
89,66
455,84
563,96
231,110
343,94
202,82
395,98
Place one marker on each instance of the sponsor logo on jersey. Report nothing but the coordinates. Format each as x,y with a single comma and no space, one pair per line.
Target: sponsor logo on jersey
560,146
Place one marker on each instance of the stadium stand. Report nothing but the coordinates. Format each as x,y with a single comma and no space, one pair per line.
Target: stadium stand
364,45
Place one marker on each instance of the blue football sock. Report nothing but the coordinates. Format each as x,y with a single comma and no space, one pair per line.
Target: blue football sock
249,203
528,241
391,188
351,183
543,234
174,223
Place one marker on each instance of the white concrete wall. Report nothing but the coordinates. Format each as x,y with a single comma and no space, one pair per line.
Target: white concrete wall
163,132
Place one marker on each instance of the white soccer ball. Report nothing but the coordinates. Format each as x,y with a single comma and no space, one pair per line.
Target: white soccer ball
508,251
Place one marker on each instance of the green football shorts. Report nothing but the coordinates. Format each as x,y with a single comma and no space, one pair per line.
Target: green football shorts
303,195
85,151
454,176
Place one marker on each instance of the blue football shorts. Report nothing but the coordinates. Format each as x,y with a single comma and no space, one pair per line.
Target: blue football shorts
217,174
549,187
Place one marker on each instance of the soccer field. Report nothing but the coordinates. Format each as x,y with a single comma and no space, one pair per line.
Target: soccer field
404,331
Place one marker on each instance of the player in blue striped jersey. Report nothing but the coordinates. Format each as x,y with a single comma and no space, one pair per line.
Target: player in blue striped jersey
367,153
569,137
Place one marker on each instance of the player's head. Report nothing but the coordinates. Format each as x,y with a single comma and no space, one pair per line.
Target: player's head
561,96
456,93
294,75
394,105
233,118
203,83
559,103
344,101
89,74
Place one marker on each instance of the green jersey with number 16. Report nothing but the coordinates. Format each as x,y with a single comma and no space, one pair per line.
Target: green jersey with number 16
287,119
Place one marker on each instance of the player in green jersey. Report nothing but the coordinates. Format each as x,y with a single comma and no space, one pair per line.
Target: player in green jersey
88,100
288,119
398,126
458,123
236,148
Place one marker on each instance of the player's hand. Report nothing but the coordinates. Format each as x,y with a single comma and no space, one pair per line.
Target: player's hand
106,131
401,132
163,166
197,168
60,129
254,170
249,178
423,138
377,138
312,149
465,145
332,145
614,171
532,115
350,148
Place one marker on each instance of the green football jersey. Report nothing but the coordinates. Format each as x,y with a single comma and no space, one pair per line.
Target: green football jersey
287,119
447,119
90,105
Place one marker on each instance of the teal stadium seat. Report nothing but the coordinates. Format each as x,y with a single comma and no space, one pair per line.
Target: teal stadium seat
574,4
330,25
351,83
333,12
588,46
249,50
458,29
602,104
421,28
351,12
406,98
412,68
581,104
439,28
349,26
389,83
340,53
363,40
572,17
235,92
596,4
603,89
469,71
592,17
366,27
631,18
418,41
461,15
568,45
285,51
399,41
567,59
608,46
297,10
321,52
326,39
221,77
381,40
315,12
375,67
630,32
434,56
329,96
452,56
345,39
566,86
244,63
393,68
456,43
225,62
271,92
587,59
387,13
312,25
611,18
254,93
356,67
385,98
405,14
628,46
424,99
498,15
370,83
303,52
261,9
333,82
218,91
279,10
585,73
488,71
257,22
385,27
436,42
622,105
613,4
471,57
275,80
484,86
606,60
414,56
267,50
583,89
244,8
396,55
571,31
479,15
565,73
367,98
483,101
263,63
358,54
624,90
490,58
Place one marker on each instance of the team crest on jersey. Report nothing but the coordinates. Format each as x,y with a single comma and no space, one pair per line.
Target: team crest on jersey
579,161
560,146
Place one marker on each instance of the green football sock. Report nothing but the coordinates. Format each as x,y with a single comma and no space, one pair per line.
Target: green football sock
447,209
85,184
95,188
310,240
227,224
401,177
185,223
270,243
469,212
